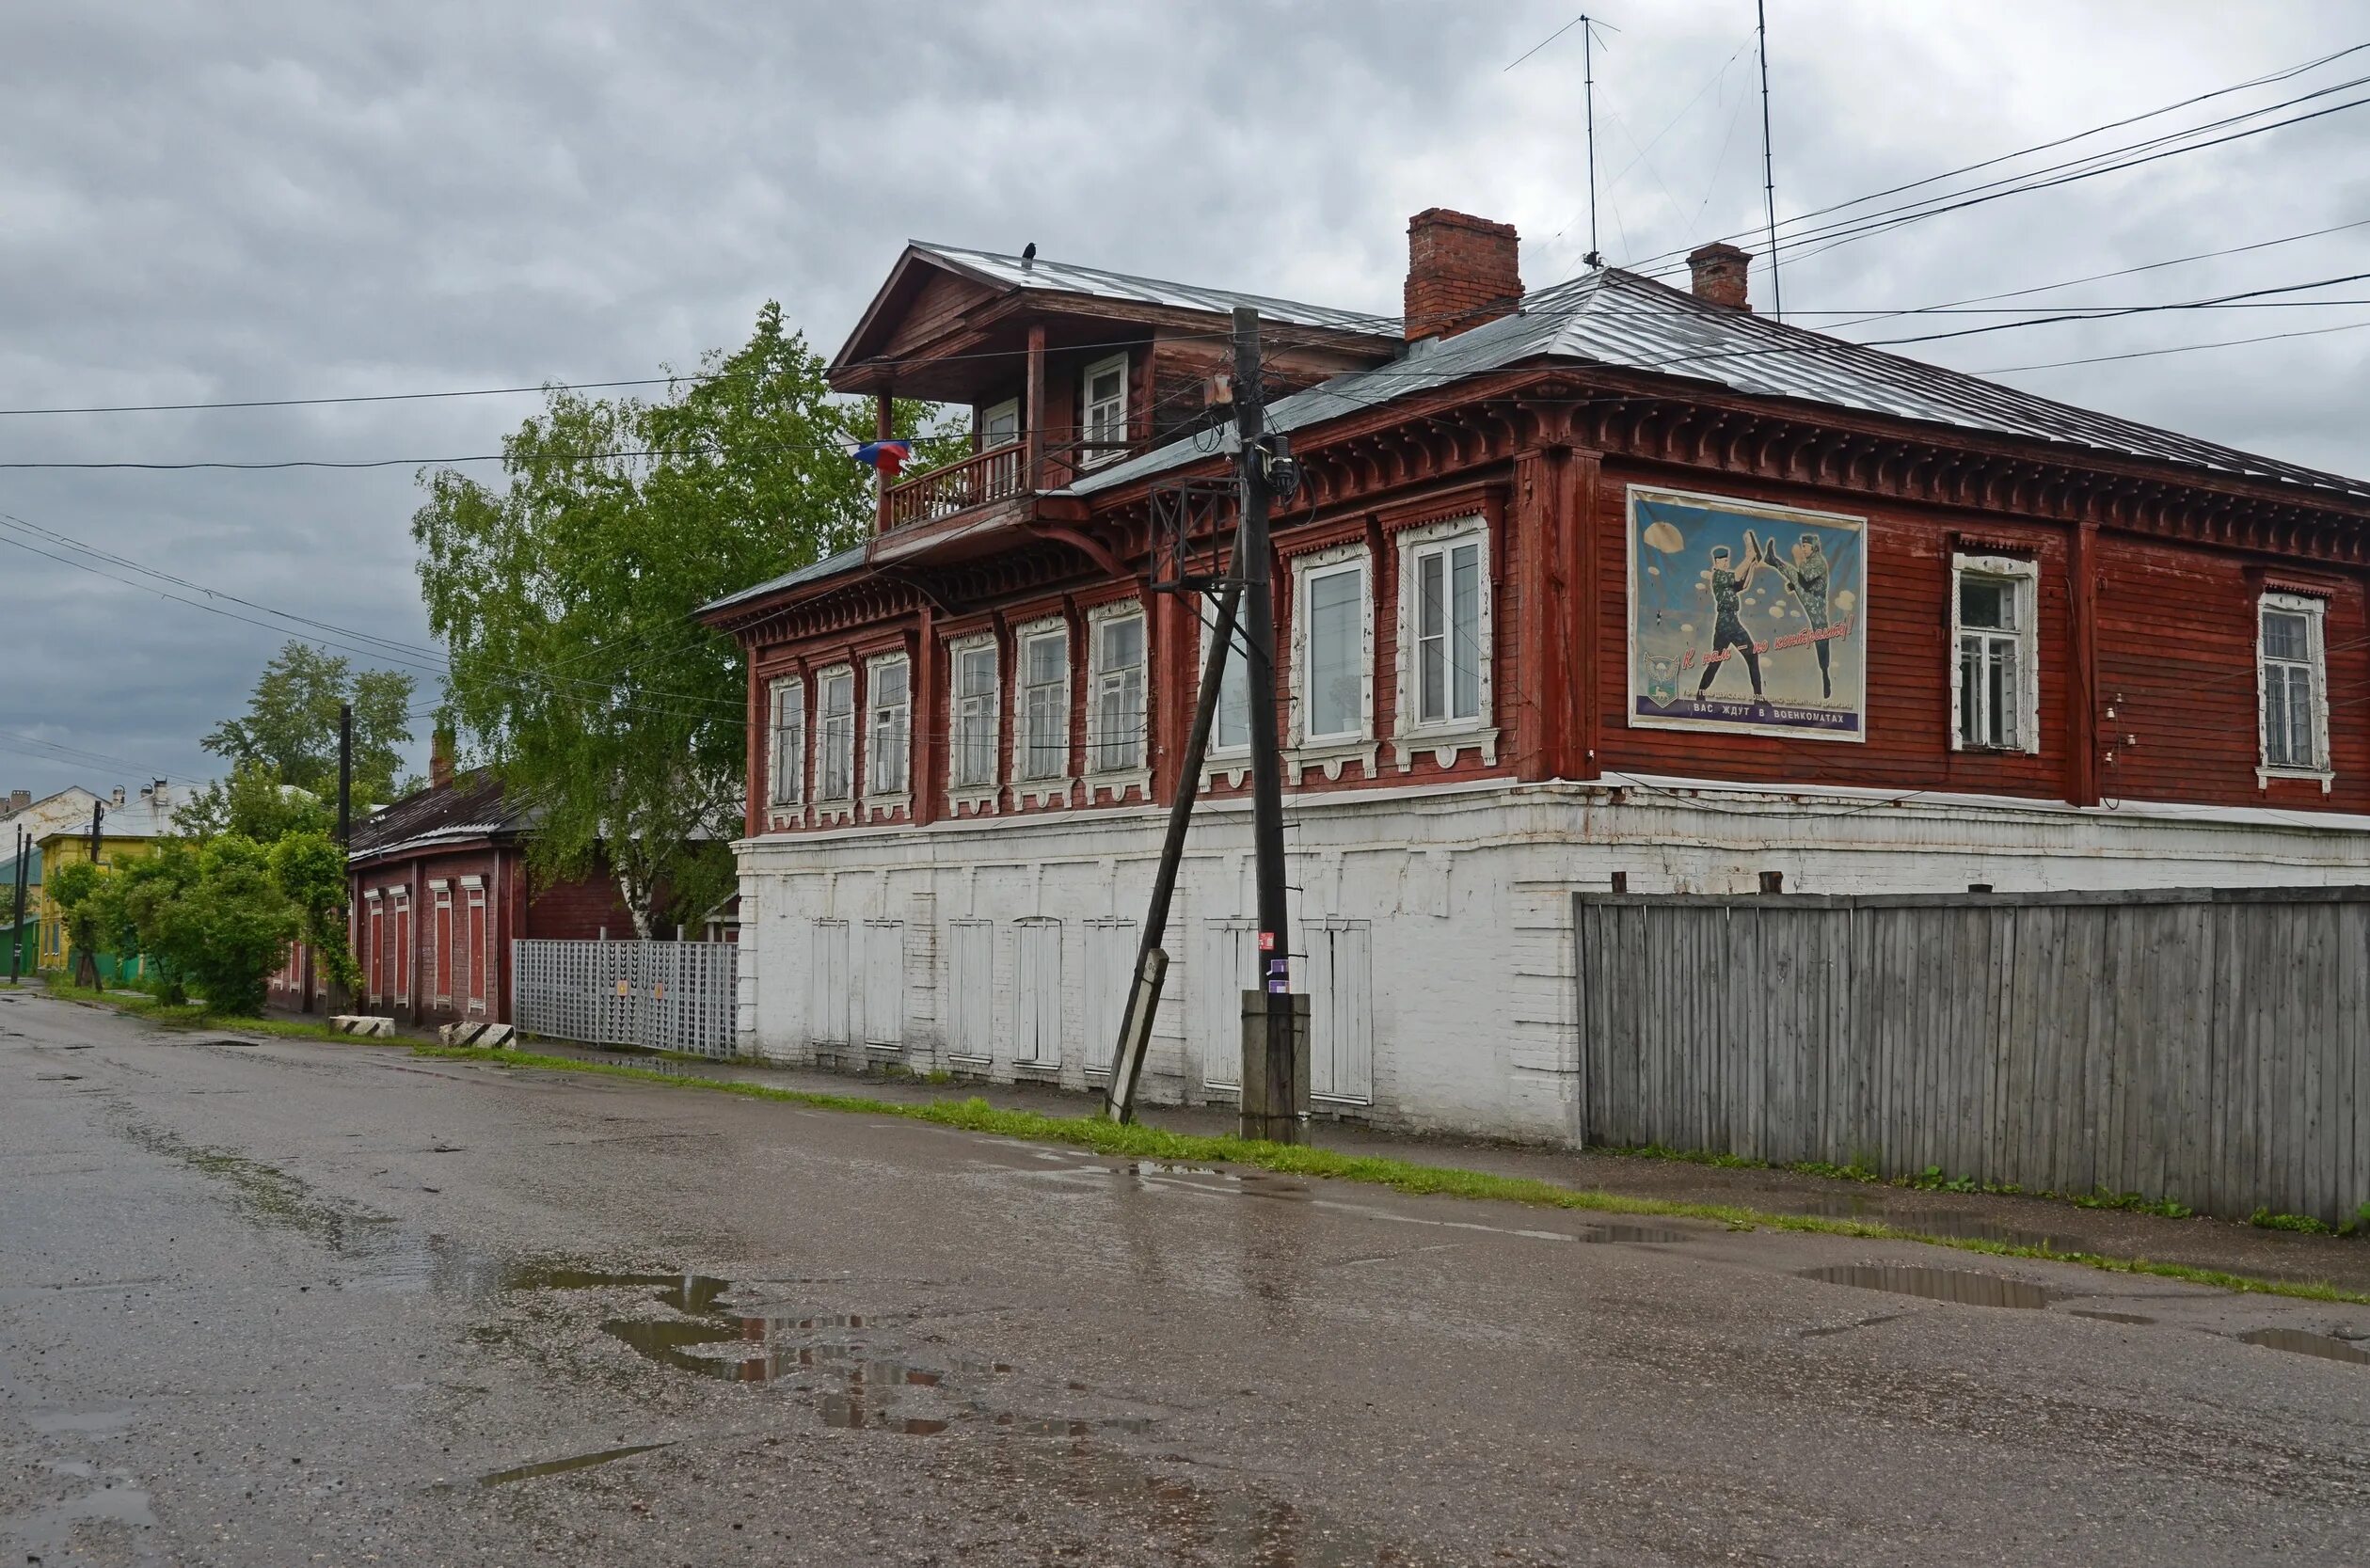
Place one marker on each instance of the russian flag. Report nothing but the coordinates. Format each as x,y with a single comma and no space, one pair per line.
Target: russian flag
887,456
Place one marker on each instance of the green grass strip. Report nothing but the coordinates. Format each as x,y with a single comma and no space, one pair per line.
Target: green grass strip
194,1016
1138,1141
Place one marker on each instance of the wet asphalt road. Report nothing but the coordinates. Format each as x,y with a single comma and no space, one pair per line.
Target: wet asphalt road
296,1303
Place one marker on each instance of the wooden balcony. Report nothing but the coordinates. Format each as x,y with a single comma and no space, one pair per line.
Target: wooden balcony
996,474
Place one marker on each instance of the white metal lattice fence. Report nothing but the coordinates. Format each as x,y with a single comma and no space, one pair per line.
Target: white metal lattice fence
658,995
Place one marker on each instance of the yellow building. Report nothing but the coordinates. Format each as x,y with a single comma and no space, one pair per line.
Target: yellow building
127,831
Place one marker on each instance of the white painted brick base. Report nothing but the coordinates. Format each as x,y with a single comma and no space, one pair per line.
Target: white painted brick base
1433,928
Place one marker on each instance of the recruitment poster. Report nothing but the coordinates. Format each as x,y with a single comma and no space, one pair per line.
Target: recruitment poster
1747,618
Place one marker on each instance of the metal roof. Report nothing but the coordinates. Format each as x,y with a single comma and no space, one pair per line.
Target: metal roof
1063,278
830,566
1621,320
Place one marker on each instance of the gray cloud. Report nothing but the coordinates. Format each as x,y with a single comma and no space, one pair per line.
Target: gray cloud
276,199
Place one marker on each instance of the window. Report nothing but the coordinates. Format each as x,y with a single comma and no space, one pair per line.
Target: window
789,742
891,703
835,701
1000,425
1229,726
974,750
1102,409
1116,682
481,949
1044,705
1994,705
2295,716
441,935
1444,627
1333,649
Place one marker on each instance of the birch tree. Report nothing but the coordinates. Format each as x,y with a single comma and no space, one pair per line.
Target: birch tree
565,598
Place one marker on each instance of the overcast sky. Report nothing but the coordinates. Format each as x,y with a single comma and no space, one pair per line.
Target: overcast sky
207,201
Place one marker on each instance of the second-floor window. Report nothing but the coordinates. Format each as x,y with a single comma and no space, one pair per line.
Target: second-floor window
1103,412
891,707
1996,701
1444,618
1333,649
1000,425
1117,688
974,750
1044,705
1229,726
835,706
2294,715
789,742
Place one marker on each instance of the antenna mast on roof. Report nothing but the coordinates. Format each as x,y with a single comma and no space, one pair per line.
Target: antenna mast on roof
1769,178
1588,89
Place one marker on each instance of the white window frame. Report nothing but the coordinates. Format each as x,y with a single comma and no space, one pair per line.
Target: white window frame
1444,736
1087,406
825,679
2024,577
1220,759
776,732
979,793
2316,614
1133,768
1332,751
901,720
988,415
1029,785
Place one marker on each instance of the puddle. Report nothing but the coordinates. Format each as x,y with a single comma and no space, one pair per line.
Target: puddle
1654,1234
1951,1285
2107,1317
2326,1346
573,1462
875,1387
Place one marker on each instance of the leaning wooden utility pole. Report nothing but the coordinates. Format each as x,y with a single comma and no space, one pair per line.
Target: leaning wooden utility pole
1152,959
16,925
346,774
86,961
1275,1021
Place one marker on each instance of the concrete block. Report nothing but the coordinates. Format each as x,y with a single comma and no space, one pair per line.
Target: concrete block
362,1024
483,1035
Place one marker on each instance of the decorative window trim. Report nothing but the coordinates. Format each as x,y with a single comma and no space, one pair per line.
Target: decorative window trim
1116,782
981,798
473,883
1087,373
1445,739
1333,752
880,803
440,951
828,808
2026,574
2316,614
777,804
1053,788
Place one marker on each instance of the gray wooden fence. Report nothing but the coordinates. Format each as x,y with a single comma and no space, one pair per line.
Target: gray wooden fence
658,995
2212,1047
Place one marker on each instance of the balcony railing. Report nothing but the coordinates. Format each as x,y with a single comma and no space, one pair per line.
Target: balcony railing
993,475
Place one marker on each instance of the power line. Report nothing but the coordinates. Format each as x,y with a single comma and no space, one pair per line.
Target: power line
2285,74
2177,348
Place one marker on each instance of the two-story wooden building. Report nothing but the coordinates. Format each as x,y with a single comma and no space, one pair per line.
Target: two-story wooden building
1609,583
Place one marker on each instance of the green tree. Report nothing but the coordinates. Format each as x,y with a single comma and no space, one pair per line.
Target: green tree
213,917
254,802
290,729
308,867
565,601
75,887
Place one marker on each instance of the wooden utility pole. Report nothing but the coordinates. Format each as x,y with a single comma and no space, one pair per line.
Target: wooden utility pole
346,774
1152,959
1275,1041
86,961
16,925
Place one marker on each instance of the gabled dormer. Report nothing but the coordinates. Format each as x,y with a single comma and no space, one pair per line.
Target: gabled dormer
1066,369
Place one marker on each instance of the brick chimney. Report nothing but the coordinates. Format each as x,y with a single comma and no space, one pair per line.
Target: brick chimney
1720,272
440,759
18,800
1462,271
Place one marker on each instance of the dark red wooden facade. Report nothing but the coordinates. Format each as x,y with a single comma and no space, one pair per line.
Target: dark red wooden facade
2148,577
